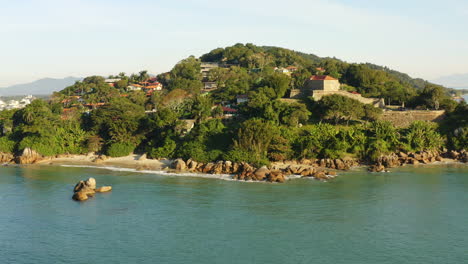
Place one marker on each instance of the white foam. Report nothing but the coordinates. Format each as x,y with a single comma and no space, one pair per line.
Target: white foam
227,177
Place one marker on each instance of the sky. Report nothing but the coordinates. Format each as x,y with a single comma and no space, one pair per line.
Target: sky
60,38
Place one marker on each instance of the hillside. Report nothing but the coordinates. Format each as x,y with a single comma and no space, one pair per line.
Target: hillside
44,86
370,80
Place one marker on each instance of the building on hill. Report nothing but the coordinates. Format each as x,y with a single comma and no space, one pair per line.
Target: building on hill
209,87
242,98
319,86
322,83
205,68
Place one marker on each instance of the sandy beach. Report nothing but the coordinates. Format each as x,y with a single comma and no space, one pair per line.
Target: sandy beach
133,161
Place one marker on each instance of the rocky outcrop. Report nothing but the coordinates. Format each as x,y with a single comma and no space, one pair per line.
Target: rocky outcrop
179,165
461,156
83,190
377,168
29,156
414,158
100,159
245,172
6,157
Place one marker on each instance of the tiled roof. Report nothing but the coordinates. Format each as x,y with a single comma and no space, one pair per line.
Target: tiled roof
322,78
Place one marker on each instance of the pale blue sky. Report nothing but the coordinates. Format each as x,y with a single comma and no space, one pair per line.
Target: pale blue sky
59,38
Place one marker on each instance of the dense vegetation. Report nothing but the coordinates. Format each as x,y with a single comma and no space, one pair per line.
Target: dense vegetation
92,116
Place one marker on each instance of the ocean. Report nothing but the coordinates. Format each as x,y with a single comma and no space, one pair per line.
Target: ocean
409,215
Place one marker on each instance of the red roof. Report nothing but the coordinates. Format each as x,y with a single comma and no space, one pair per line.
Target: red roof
322,78
227,109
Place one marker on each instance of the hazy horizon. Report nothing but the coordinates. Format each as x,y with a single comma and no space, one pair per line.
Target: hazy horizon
57,39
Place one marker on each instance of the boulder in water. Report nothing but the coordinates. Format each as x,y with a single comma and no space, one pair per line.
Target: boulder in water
80,196
104,189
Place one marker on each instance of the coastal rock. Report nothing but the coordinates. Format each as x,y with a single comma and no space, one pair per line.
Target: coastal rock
6,157
340,165
208,167
143,157
377,168
80,185
463,157
227,168
80,196
308,172
320,175
218,168
179,165
29,156
235,167
100,159
104,189
91,183
86,187
276,176
192,165
261,173
389,161
322,163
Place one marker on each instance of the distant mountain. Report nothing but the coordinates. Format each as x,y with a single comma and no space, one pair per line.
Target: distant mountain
454,81
44,86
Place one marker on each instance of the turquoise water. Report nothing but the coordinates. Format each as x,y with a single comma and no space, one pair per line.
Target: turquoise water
406,216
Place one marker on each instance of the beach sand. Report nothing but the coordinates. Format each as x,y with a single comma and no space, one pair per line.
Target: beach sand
133,161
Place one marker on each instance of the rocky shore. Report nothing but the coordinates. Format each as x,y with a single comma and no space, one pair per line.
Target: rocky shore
320,169
323,169
421,157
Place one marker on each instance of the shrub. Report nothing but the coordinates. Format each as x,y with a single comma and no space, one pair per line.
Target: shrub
46,146
422,135
120,149
239,155
165,151
6,145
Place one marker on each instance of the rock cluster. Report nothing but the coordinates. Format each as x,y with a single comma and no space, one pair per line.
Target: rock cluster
399,159
85,189
246,172
461,156
6,158
29,156
336,164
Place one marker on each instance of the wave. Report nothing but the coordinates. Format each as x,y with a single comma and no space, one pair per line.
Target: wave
227,177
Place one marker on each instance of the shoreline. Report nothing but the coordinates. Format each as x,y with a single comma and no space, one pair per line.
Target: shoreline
133,161
140,164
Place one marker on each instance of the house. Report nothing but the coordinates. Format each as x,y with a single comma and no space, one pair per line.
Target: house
282,70
209,87
205,67
243,98
292,68
229,112
111,82
322,83
134,87
153,87
319,86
